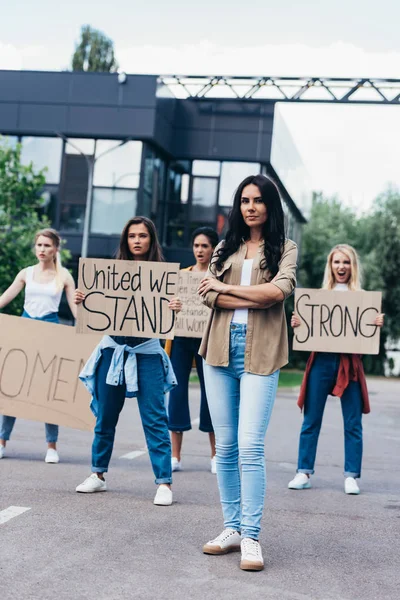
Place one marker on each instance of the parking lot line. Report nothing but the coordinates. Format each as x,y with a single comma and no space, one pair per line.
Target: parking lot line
11,512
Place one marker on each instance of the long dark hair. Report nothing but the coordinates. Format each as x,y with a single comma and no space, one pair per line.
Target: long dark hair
155,252
273,231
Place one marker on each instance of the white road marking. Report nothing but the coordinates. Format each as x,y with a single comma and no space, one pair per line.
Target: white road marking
11,512
134,454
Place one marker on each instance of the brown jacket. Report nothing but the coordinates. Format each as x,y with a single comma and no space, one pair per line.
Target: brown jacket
266,339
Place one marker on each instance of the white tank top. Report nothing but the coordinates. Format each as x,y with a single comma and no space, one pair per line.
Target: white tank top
241,314
40,298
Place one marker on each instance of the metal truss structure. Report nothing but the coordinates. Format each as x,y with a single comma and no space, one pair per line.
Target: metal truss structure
286,89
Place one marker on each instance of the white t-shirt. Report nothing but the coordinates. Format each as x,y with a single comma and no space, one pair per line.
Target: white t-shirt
40,298
241,314
341,287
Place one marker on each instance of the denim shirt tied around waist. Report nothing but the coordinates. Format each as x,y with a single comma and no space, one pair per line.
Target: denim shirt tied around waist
118,373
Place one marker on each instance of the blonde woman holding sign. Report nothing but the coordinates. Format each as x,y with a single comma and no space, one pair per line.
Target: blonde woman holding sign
44,284
145,363
337,374
183,351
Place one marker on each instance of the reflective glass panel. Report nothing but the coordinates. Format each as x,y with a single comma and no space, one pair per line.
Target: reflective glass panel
111,209
117,165
232,174
72,217
43,152
204,199
211,168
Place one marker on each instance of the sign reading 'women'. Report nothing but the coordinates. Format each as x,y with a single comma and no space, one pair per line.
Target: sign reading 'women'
337,321
39,368
127,298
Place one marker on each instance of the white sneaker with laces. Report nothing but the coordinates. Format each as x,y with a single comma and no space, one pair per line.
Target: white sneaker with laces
350,486
252,559
2,451
300,482
214,465
176,465
52,456
227,541
92,484
163,496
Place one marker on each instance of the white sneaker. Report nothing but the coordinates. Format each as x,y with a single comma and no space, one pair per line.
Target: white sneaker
2,451
163,496
252,559
52,456
227,541
214,465
300,482
350,486
92,484
176,464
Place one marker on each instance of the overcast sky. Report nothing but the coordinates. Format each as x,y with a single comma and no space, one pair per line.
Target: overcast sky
349,150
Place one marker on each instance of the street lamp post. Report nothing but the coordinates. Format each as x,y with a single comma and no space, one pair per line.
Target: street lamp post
90,161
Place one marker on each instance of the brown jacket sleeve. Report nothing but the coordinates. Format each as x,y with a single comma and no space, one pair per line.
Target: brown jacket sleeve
285,279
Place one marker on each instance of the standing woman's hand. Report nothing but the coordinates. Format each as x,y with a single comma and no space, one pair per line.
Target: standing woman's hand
78,296
295,321
210,283
379,320
175,304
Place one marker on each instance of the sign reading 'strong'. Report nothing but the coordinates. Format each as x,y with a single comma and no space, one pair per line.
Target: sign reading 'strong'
127,297
337,321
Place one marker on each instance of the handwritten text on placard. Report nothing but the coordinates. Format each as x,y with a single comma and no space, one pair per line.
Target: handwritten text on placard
39,368
192,320
337,321
127,298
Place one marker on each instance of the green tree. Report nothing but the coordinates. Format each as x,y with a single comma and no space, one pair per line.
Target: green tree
95,52
20,204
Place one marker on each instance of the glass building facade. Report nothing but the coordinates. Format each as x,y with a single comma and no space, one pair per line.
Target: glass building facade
133,178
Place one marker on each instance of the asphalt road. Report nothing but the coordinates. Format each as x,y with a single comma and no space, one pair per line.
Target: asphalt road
318,544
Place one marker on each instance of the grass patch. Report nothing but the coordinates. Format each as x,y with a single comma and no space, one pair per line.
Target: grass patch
287,378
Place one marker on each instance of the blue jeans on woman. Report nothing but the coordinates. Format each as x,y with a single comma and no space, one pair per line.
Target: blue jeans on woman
7,423
150,397
184,350
321,381
240,405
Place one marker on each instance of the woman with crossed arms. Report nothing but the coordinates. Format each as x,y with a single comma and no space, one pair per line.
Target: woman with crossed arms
251,273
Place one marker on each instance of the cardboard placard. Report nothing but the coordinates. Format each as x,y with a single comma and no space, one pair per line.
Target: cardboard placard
192,320
337,321
127,297
39,367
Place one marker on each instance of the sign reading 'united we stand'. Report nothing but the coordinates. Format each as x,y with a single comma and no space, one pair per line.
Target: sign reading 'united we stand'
127,298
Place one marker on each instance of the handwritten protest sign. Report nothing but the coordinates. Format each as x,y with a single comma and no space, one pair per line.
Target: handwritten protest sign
192,319
39,368
127,297
337,321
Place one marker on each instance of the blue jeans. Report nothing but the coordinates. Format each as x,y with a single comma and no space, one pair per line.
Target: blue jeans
183,352
321,381
150,397
240,405
7,423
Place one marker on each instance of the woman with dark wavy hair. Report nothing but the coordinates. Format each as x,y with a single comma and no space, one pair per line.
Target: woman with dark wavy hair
245,345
